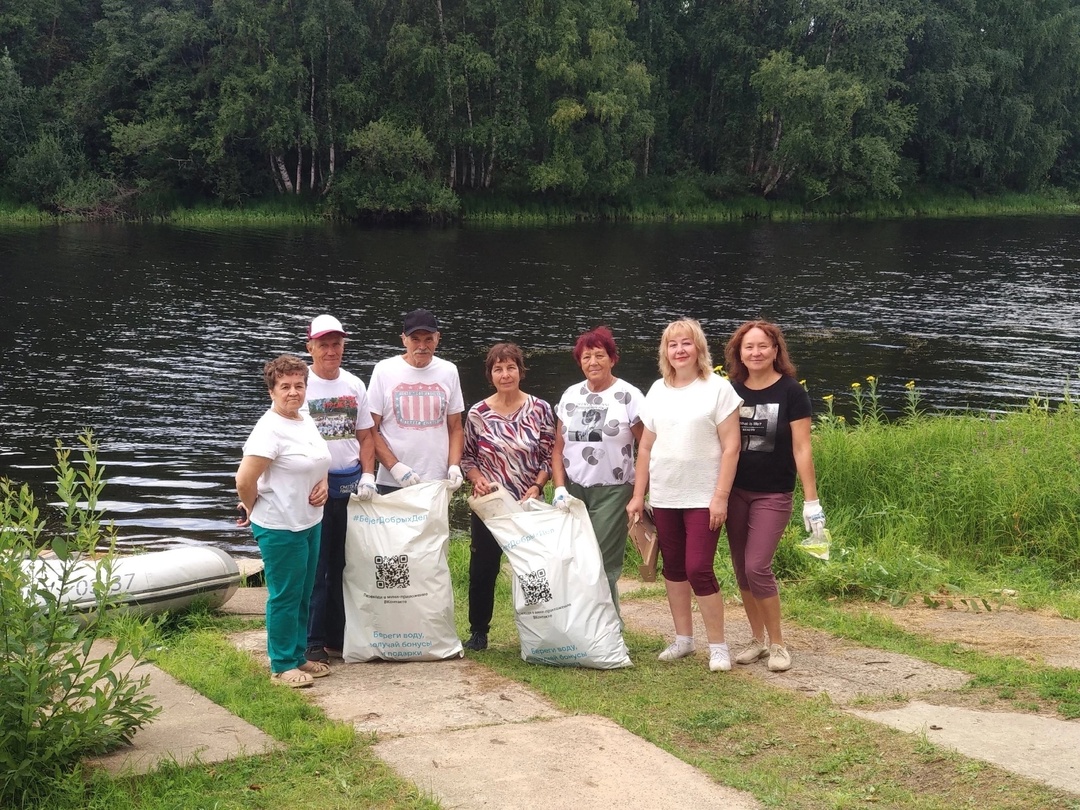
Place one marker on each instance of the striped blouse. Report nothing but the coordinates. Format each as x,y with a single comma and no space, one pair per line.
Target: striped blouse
510,450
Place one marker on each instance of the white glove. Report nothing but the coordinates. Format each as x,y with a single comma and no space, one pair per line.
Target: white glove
561,499
405,475
455,477
365,490
814,519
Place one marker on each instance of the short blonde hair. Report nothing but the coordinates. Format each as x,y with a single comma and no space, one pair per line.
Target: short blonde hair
686,326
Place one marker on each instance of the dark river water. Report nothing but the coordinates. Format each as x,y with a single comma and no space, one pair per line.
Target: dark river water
154,336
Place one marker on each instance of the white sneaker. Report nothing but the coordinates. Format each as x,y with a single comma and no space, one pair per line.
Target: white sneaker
675,651
719,660
779,659
752,652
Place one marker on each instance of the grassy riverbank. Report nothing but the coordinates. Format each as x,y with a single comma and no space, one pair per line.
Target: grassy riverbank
673,202
948,507
689,204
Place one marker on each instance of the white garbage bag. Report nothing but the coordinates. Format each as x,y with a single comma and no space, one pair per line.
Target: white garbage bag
399,601
562,601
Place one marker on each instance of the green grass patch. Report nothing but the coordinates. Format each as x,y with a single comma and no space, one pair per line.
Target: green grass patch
321,763
12,213
273,211
706,199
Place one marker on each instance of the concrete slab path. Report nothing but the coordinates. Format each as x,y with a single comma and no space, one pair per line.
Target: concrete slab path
474,739
190,729
583,762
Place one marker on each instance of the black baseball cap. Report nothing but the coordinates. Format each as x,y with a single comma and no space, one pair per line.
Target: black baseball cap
420,320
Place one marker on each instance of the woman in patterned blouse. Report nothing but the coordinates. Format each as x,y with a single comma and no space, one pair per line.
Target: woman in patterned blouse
508,442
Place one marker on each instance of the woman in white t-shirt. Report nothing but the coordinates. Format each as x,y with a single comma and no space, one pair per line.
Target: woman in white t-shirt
686,461
596,430
282,487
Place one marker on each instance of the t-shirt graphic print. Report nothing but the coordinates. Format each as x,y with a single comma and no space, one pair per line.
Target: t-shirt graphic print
587,424
418,406
758,425
335,416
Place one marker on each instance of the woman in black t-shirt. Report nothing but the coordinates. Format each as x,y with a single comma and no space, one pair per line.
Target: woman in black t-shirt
775,423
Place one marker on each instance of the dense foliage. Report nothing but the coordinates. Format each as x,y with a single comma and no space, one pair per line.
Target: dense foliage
371,107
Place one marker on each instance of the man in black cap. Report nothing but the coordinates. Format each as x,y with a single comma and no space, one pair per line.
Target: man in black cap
416,403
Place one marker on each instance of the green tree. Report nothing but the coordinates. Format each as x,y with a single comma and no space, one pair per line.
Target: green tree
17,115
995,85
393,171
808,113
832,118
46,37
712,115
598,121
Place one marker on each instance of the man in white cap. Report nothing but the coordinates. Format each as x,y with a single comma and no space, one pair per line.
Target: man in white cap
338,402
416,403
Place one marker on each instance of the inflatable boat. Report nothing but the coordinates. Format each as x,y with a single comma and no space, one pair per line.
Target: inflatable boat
145,583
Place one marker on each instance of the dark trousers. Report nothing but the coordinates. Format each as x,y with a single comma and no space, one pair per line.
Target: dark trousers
326,611
484,562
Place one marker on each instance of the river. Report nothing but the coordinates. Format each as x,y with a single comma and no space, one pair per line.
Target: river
154,336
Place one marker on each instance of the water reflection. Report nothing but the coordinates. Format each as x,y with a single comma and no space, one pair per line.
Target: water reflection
155,336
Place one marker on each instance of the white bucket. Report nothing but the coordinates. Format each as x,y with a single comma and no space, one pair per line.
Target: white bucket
496,503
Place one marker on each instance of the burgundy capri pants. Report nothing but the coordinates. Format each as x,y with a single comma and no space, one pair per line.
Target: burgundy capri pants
755,524
688,547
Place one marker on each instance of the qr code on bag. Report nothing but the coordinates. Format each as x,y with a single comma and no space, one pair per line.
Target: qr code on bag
392,572
534,586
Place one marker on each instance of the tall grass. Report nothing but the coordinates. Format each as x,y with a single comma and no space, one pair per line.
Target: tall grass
946,503
271,211
12,213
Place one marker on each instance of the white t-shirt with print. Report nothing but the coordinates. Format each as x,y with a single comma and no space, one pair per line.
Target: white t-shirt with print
299,459
339,408
414,404
598,447
685,459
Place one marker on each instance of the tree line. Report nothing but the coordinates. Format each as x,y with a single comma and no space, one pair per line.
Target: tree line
375,107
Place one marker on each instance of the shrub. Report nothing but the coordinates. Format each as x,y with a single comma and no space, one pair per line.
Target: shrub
60,697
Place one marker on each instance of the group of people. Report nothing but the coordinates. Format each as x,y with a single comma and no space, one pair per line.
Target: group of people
707,451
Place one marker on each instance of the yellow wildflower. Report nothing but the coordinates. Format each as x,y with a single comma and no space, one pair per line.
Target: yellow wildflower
871,379
856,386
828,398
910,385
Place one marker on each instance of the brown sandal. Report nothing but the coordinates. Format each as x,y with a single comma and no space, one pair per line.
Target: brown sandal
316,669
292,678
